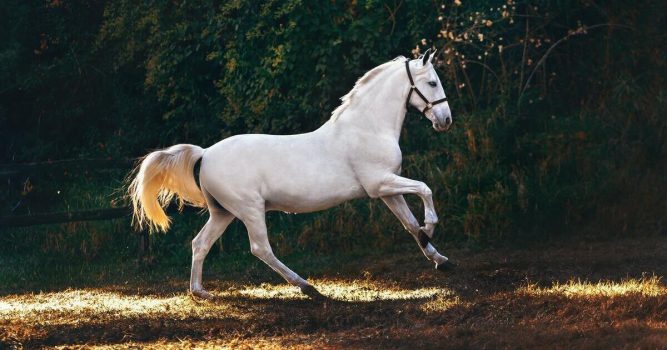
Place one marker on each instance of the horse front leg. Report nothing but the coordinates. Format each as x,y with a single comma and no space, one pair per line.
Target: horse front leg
398,185
399,207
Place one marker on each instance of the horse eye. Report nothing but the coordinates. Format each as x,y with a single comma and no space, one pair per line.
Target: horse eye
433,83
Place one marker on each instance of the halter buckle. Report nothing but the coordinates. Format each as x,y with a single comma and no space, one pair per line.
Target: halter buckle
429,105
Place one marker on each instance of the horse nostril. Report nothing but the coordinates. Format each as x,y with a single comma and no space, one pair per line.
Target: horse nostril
448,121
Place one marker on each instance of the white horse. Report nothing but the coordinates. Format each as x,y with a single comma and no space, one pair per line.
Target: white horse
354,154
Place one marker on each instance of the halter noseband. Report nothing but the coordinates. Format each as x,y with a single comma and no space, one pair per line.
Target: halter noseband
414,88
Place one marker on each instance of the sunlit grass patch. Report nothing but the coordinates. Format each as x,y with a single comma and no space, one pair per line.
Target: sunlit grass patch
367,291
442,303
91,304
353,291
649,287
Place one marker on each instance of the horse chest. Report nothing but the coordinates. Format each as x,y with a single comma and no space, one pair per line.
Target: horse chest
371,161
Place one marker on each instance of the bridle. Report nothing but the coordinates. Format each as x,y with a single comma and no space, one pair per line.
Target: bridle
414,88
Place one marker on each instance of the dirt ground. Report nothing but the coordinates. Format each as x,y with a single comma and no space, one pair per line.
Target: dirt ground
563,295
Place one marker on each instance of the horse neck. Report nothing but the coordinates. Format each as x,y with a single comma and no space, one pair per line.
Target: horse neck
379,108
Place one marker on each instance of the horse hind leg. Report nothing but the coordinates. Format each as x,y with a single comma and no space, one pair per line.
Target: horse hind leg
202,243
255,222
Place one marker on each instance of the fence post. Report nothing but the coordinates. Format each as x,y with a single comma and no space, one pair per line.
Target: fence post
144,244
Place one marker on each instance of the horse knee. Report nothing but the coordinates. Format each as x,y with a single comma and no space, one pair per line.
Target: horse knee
425,190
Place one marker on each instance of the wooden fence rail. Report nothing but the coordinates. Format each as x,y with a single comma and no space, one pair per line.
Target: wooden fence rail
80,215
22,169
96,164
35,167
61,217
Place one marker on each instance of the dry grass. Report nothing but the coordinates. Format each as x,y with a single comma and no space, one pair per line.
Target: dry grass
641,287
576,295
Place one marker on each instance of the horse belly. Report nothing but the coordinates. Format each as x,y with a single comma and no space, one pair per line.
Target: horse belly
301,194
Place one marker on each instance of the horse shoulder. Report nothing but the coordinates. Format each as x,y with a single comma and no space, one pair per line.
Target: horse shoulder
374,162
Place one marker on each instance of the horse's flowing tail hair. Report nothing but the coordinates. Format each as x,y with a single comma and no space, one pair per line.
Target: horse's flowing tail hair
161,176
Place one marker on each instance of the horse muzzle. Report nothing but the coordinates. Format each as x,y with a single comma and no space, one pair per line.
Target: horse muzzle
442,124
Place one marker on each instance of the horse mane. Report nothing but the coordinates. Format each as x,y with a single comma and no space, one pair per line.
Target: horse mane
361,82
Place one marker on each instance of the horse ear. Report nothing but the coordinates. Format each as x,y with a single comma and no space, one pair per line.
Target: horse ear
432,56
426,58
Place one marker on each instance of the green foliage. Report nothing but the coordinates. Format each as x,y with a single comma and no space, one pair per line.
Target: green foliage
275,67
563,125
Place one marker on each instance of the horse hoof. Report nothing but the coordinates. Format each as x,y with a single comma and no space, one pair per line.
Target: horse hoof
448,265
312,293
202,294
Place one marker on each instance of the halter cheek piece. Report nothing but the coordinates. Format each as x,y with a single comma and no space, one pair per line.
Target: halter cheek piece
414,88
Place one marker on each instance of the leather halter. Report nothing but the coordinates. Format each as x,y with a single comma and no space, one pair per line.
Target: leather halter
414,88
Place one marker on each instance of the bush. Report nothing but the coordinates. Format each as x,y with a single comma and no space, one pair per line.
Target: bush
559,106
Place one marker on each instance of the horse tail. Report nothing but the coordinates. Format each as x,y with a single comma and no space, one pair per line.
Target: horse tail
161,176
